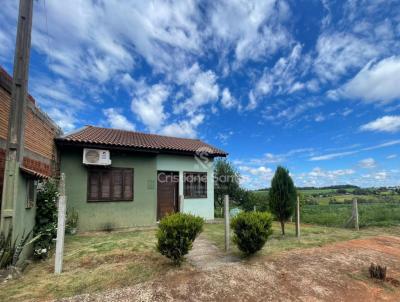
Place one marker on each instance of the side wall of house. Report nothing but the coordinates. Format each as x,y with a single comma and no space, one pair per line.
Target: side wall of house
141,211
203,207
24,219
39,155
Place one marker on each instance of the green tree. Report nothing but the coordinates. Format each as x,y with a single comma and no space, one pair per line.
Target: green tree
282,196
248,200
226,181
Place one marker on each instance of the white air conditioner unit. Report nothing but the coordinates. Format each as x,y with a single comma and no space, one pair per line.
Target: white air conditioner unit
96,157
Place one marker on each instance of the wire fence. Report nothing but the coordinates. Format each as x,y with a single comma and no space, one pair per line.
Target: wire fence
370,214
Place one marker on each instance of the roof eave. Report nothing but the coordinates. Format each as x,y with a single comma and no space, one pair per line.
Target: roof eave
65,142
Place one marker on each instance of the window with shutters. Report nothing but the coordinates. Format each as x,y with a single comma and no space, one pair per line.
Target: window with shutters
30,193
195,185
110,184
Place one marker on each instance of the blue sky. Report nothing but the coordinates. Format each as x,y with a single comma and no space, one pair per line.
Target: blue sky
312,85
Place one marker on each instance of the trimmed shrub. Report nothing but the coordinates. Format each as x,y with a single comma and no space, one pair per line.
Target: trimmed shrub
252,230
176,234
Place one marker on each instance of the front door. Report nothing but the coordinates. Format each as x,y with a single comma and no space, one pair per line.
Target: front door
167,193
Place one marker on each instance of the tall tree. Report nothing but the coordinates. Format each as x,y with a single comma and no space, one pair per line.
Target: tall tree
226,181
282,196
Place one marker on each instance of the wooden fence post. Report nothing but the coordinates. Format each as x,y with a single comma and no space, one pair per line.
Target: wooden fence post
355,214
227,226
62,203
298,217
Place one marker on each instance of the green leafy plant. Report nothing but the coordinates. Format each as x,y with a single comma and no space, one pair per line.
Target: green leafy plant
282,196
176,234
251,230
72,221
46,218
226,181
10,250
108,227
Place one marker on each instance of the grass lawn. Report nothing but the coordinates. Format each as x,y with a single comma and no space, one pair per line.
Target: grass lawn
92,262
101,261
311,236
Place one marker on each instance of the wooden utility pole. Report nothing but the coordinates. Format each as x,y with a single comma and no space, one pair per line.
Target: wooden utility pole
16,122
227,226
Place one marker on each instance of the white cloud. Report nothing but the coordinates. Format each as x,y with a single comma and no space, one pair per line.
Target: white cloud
332,155
148,104
320,117
65,119
5,45
347,153
223,137
185,128
383,145
381,175
391,156
375,82
227,100
271,158
367,163
252,28
340,52
319,177
281,79
202,85
318,172
284,112
262,170
255,177
388,123
117,120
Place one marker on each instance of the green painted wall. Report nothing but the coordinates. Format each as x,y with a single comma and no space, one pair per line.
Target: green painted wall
24,219
143,209
95,215
203,207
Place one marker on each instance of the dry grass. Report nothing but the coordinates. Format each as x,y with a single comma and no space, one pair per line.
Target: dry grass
101,261
92,262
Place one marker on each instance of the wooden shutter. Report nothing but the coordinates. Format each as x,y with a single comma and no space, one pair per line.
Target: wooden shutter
94,185
128,184
105,185
117,184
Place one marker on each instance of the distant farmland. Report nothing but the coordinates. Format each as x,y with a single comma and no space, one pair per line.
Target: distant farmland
332,206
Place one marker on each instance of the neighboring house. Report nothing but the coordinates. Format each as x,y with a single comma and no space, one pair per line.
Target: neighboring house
142,183
39,157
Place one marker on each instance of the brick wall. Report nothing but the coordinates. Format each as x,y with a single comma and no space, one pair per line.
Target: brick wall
2,163
40,131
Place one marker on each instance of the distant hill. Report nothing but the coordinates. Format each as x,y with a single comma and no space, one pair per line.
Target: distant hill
329,187
336,187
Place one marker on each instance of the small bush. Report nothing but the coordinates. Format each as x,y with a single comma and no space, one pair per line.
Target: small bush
378,272
176,234
72,221
46,218
108,227
252,230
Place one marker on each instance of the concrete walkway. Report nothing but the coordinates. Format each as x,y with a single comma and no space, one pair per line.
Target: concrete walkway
205,255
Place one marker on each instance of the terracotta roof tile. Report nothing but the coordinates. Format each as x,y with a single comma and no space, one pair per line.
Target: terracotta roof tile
121,138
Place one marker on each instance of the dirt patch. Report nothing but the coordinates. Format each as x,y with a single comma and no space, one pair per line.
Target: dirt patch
337,272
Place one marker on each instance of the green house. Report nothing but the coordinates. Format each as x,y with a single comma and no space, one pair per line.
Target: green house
123,179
